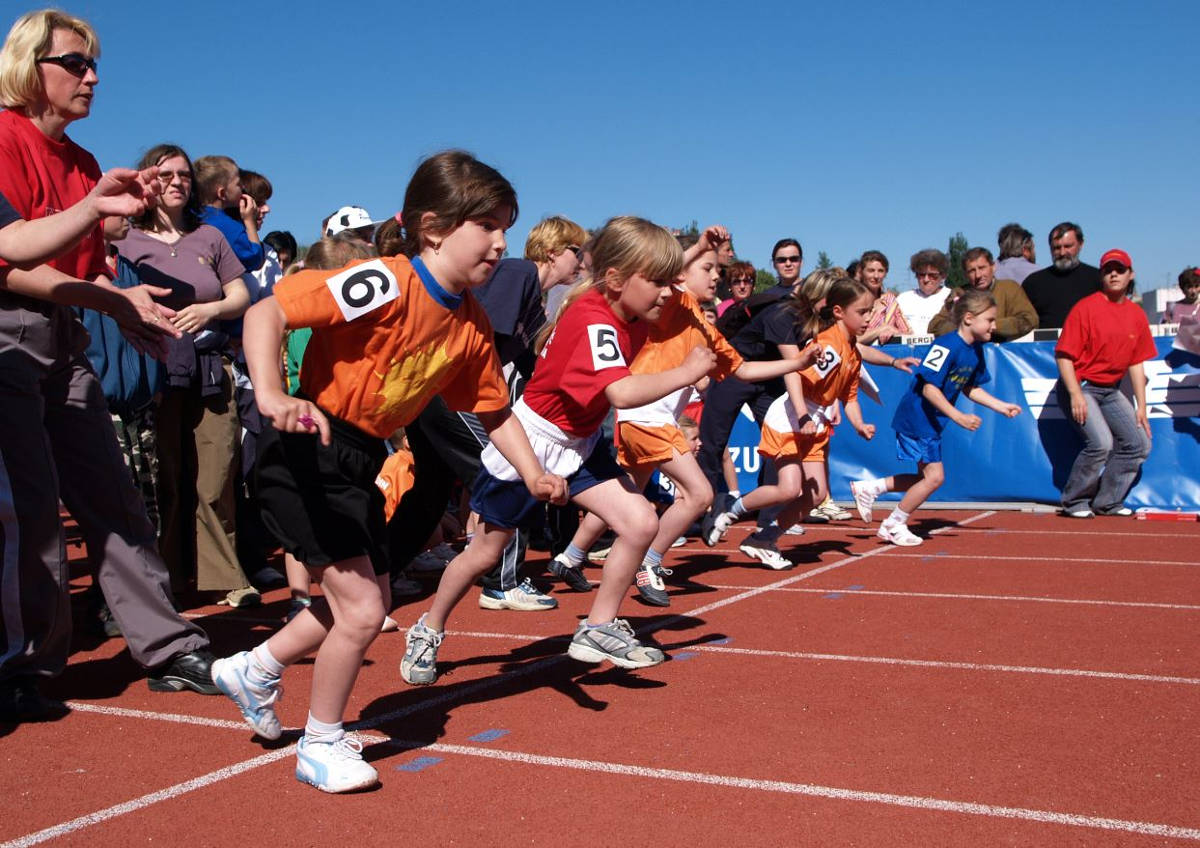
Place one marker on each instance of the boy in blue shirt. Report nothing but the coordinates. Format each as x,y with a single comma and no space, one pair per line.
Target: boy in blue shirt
218,184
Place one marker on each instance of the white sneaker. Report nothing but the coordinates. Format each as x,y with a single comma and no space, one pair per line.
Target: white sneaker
334,766
722,524
863,499
524,598
680,542
898,534
255,700
794,530
766,553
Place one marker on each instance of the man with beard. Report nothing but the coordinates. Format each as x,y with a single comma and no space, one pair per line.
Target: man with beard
1055,289
1015,316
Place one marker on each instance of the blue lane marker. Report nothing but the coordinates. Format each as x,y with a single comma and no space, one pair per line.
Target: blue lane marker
683,655
836,595
419,764
934,556
724,641
488,735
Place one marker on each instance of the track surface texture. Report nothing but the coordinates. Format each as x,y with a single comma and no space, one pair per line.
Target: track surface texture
1019,679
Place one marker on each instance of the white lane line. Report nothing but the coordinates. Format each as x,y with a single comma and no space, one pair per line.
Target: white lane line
597,766
452,694
147,800
966,666
178,718
817,791
956,558
971,597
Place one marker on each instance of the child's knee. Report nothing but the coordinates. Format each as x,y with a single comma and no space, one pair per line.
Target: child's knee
363,617
698,499
935,476
640,524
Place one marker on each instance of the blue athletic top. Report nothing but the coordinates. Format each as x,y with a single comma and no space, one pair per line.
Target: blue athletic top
952,365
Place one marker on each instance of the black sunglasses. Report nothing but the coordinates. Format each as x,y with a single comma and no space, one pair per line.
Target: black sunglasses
75,64
576,249
779,260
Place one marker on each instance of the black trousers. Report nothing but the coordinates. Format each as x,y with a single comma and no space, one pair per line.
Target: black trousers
722,405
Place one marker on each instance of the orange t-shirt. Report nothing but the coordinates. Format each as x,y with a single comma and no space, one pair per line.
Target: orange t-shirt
386,338
834,376
679,328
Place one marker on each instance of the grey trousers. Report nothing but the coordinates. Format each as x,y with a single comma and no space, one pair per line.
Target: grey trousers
57,439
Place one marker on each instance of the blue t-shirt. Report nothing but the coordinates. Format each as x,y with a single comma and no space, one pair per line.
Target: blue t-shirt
252,255
952,365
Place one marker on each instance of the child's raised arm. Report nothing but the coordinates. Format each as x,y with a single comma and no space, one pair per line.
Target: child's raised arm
709,240
262,335
934,395
639,389
979,396
755,371
507,434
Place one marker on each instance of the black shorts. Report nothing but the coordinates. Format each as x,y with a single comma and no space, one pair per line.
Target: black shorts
321,502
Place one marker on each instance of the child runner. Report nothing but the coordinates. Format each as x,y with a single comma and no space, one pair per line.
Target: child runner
648,438
387,335
796,426
581,371
953,366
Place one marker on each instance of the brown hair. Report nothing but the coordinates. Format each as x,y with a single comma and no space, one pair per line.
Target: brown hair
333,252
874,256
389,238
973,301
976,252
455,187
929,258
191,211
256,185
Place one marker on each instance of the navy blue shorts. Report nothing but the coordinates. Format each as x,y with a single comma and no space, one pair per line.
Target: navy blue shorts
509,505
919,449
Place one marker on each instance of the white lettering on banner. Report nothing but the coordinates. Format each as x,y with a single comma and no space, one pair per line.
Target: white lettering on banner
606,353
745,459
363,288
1169,394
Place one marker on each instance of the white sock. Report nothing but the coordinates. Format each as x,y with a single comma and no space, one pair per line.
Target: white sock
265,667
320,731
876,486
898,516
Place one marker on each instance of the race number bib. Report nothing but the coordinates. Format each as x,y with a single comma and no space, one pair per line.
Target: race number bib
363,288
936,358
606,353
827,361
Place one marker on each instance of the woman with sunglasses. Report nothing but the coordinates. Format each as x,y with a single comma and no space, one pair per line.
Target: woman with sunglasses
56,437
740,286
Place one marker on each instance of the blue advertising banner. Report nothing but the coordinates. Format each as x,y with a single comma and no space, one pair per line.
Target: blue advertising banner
1023,459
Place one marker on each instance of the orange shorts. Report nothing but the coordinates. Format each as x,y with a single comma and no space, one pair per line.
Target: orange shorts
641,445
776,445
395,478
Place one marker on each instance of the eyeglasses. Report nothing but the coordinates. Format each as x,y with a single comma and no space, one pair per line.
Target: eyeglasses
576,249
786,260
1119,267
737,281
929,275
168,177
75,64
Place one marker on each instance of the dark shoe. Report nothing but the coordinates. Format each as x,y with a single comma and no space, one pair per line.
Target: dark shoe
192,670
268,578
572,574
108,624
20,701
1122,511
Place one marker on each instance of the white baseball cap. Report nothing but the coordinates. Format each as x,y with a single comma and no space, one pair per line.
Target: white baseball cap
348,218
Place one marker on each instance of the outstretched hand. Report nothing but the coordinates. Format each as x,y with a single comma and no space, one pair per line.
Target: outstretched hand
712,237
124,192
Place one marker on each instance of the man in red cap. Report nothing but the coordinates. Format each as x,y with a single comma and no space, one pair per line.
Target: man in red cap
1105,337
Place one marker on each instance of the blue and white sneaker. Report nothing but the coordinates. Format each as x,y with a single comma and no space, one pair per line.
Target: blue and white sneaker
525,598
335,766
255,700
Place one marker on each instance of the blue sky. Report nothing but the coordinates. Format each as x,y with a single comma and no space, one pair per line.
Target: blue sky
849,126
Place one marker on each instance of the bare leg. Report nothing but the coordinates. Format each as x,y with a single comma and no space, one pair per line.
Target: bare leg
632,518
918,491
460,575
693,497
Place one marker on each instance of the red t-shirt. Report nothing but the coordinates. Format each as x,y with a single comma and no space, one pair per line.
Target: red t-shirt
40,176
382,345
1104,338
589,349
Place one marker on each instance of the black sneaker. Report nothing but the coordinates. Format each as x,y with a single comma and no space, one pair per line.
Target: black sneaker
650,585
572,575
20,701
192,670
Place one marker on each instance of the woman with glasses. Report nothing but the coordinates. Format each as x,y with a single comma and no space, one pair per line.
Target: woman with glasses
197,422
56,437
740,285
930,267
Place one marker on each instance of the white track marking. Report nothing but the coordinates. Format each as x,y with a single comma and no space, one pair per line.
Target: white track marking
813,790
101,709
150,799
969,597
909,554
966,666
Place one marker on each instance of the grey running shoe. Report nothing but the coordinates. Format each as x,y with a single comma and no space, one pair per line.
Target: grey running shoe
572,575
419,666
255,700
650,585
614,642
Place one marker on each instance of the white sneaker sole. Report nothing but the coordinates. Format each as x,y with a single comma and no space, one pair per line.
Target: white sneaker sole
903,542
365,783
589,654
489,603
778,565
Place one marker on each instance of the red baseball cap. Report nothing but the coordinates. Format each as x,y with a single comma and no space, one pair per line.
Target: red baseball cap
1116,256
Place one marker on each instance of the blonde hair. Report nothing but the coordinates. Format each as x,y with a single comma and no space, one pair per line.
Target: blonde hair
29,40
553,235
627,245
210,173
333,252
817,284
